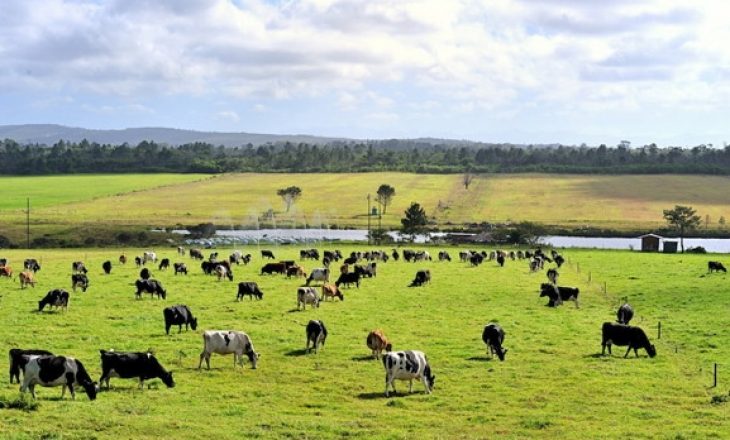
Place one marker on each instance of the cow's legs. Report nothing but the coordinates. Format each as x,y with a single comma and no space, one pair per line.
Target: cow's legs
410,386
603,349
205,356
141,383
627,353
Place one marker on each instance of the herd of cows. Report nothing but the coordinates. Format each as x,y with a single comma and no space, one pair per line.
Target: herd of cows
41,367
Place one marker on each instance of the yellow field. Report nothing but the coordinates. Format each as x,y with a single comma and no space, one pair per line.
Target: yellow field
618,202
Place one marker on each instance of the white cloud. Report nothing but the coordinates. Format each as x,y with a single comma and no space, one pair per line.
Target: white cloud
228,115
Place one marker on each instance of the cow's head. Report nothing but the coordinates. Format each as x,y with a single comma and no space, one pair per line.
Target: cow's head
41,304
501,352
91,389
428,378
651,350
253,357
388,347
167,379
194,323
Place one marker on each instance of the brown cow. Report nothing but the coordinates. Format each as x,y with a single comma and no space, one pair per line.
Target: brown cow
331,291
296,271
377,342
123,259
26,277
344,268
6,271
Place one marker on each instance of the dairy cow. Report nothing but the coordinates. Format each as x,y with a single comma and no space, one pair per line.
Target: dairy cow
228,342
132,365
52,371
407,365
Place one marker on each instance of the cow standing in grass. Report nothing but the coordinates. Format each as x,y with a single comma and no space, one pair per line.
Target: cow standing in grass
624,314
407,365
316,335
377,342
493,337
621,335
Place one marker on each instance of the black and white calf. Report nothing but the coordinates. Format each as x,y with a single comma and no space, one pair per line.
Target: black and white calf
307,295
422,277
624,314
139,365
19,357
558,294
228,342
316,335
164,264
179,315
52,371
621,335
407,365
493,336
79,280
153,287
249,288
54,298
180,268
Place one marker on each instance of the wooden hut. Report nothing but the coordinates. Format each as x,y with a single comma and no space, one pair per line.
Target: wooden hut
650,242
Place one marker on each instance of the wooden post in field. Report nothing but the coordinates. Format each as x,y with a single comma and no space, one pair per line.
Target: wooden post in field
659,330
714,382
589,277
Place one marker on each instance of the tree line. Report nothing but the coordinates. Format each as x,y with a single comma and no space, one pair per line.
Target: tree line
148,157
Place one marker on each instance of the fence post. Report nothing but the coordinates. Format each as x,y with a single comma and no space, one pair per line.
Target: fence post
589,277
714,382
605,290
659,330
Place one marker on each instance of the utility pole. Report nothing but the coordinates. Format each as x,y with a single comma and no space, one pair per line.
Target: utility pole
368,218
27,223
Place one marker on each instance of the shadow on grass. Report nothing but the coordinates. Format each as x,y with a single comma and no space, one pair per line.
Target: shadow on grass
299,352
293,310
363,358
596,356
381,395
480,359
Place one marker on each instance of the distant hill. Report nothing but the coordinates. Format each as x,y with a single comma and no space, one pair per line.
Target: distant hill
49,134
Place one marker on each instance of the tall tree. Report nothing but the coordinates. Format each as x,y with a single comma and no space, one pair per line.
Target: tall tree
385,196
415,220
683,218
289,195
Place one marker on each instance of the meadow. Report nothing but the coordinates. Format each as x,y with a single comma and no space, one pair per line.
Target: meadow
630,202
553,384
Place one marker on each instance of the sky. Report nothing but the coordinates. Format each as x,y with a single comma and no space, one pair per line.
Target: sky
520,71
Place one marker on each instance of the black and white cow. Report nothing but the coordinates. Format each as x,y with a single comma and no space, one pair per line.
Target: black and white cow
316,335
131,365
493,336
422,277
444,256
179,315
149,256
78,267
500,259
54,298
407,365
369,270
307,295
715,266
196,254
249,288
52,371
107,266
558,294
348,279
181,268
267,254
164,264
559,260
145,274
228,342
31,264
624,314
552,275
321,274
621,335
153,287
19,357
79,280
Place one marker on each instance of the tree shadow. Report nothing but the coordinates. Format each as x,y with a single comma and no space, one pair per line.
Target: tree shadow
298,352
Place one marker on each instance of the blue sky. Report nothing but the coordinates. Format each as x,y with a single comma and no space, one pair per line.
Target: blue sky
524,71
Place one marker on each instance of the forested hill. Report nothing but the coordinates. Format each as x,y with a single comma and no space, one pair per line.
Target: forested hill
350,156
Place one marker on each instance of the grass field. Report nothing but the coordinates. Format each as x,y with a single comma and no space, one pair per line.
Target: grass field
553,383
236,200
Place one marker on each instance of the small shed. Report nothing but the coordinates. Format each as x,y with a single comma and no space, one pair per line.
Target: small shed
650,242
670,246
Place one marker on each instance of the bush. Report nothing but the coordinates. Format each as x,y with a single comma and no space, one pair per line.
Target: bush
695,250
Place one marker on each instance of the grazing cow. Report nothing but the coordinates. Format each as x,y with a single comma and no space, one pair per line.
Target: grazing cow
331,256
535,264
208,267
19,358
267,254
6,271
619,334
138,261
3,262
78,267
552,275
464,256
107,266
407,365
350,260
558,294
153,287
196,254
422,277
370,270
164,264
500,259
26,277
132,365
295,271
348,279
512,255
444,256
222,272
149,256
331,291
145,274
320,274
395,255
54,298
316,334
213,257
249,288
271,268
624,314
180,268
421,256
79,280
181,251
31,264
52,371
235,257
493,336
476,259
311,254
559,260
122,259
228,342
178,315
377,342
306,295
520,255
715,266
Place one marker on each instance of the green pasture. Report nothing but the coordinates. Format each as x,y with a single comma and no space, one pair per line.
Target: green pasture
553,384
242,200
